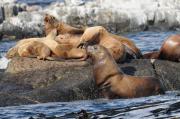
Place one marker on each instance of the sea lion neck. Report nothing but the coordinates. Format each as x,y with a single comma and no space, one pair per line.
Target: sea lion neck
105,67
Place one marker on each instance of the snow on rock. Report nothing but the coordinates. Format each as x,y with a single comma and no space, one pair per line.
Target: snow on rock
26,24
7,1
120,15
116,15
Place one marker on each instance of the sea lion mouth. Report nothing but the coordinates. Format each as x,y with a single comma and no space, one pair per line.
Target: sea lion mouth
83,45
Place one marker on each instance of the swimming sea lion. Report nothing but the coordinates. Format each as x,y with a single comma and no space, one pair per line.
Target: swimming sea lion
113,82
170,50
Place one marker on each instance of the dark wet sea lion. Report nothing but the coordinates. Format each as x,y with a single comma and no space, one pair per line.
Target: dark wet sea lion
113,82
170,50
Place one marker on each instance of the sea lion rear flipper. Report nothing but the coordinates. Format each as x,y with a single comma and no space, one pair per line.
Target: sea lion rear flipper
130,54
151,55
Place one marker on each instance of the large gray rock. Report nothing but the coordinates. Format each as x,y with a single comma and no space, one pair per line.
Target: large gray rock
169,73
49,81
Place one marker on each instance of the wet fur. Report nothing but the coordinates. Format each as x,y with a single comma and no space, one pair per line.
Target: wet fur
113,83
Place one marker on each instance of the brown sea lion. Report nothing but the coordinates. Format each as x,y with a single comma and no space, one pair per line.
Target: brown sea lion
51,23
170,50
99,35
74,36
34,49
151,55
64,50
31,47
46,47
113,82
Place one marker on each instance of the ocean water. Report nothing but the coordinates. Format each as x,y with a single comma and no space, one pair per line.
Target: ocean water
39,2
159,107
154,107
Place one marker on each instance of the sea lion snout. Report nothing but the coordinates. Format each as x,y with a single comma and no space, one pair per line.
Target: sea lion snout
91,49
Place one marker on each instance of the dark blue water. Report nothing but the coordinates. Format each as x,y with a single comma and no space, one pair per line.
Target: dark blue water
39,2
161,106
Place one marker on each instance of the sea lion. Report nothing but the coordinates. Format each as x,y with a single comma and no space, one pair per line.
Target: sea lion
51,23
74,36
113,82
34,49
64,50
45,48
151,55
99,35
31,47
73,39
170,50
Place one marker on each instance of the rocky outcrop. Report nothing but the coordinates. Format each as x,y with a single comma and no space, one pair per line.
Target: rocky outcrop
36,81
169,73
9,9
26,24
117,16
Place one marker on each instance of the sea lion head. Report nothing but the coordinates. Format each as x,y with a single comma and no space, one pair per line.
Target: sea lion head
12,53
50,23
50,19
97,52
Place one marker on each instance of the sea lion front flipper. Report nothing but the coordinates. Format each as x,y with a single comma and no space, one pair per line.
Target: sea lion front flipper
55,59
52,35
83,45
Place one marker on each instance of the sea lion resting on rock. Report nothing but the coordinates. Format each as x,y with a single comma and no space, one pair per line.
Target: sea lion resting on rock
51,23
113,82
30,49
170,50
67,51
98,35
46,48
